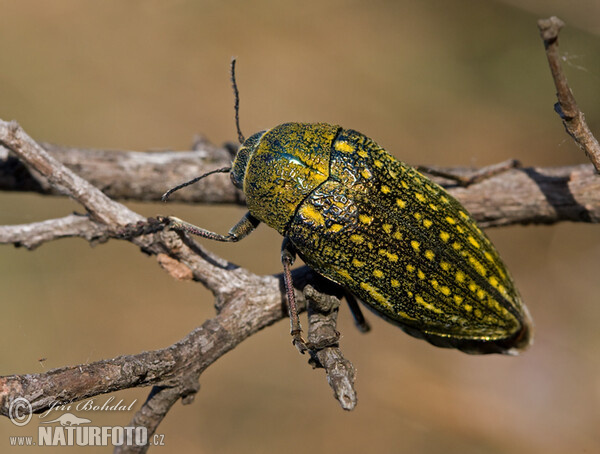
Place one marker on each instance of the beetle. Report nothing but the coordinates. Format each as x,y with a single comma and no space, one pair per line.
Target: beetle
380,229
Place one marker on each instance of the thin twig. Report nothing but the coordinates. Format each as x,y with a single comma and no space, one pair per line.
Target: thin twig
156,407
573,118
33,235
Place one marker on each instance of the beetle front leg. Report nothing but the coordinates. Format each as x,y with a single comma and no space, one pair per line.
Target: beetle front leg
288,256
242,229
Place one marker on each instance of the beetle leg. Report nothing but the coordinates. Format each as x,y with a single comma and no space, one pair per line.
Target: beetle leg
288,256
359,319
242,229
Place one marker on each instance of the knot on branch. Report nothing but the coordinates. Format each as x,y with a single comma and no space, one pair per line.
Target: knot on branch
549,29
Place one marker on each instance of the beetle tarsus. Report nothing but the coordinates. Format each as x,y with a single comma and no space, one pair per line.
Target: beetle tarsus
299,342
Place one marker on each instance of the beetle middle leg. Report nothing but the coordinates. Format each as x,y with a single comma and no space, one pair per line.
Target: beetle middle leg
242,229
288,256
359,319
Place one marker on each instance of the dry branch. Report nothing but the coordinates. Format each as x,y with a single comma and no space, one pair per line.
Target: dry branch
530,195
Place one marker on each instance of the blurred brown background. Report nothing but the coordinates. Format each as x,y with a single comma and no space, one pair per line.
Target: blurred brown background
435,82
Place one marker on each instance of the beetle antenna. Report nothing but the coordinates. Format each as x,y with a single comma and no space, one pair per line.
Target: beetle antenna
236,94
166,195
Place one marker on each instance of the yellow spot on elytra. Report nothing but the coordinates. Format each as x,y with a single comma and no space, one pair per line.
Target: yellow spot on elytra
378,273
459,229
376,295
494,281
419,299
395,283
477,313
481,294
450,220
370,245
378,163
357,263
385,189
444,199
390,256
397,235
464,215
410,268
460,276
344,147
392,174
445,266
415,245
420,197
435,284
456,245
404,184
417,216
429,254
488,256
365,219
477,265
445,290
420,274
472,286
312,214
427,223
474,242
445,236
458,299
362,153
358,239
387,228
366,174
344,274
468,307
401,203
336,227
433,207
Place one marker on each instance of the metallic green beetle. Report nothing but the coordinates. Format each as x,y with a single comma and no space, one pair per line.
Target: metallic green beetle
392,237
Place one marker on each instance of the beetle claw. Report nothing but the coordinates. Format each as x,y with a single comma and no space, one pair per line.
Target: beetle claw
299,343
